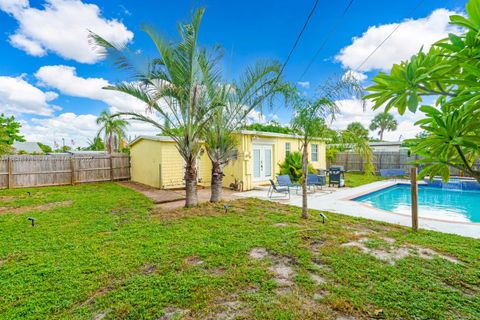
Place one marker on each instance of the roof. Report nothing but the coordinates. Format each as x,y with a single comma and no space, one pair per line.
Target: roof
29,147
245,132
86,152
385,143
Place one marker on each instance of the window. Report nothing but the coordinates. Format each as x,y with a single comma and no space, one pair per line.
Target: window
314,152
287,149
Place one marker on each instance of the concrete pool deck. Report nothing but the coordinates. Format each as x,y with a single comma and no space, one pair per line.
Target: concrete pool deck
338,201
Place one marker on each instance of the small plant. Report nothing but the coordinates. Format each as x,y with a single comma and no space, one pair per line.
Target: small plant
293,166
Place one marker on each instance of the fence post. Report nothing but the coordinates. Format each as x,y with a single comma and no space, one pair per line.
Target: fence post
111,168
10,173
414,187
72,171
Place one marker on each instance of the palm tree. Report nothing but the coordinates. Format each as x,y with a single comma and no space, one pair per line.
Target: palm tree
113,129
235,101
174,86
383,121
310,119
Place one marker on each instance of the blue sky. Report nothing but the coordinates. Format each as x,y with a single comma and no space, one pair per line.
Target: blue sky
51,80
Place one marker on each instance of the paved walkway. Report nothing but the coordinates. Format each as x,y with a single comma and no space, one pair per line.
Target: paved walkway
338,201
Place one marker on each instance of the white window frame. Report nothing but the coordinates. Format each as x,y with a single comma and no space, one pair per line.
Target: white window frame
288,148
314,154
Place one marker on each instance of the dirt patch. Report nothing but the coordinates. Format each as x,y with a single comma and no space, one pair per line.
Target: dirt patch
100,316
171,313
98,293
42,207
258,253
317,279
148,268
282,269
193,261
217,271
227,308
426,253
316,245
7,198
2,262
391,254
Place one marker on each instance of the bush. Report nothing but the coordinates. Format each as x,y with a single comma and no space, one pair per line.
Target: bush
293,166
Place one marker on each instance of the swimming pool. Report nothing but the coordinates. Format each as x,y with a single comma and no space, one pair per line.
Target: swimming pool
433,202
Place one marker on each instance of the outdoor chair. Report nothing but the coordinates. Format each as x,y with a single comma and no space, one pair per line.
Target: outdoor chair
314,180
284,181
285,190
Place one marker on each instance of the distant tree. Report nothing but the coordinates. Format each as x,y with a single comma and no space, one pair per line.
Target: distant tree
45,148
272,126
384,122
358,129
96,144
113,129
10,129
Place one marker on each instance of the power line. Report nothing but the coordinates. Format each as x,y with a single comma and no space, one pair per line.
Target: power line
388,37
298,37
325,40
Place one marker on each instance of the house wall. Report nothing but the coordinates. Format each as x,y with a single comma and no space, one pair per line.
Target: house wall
159,164
146,156
242,168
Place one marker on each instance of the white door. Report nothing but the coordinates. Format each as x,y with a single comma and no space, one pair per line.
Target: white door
262,162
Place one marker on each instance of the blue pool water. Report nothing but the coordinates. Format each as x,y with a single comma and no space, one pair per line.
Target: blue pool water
433,202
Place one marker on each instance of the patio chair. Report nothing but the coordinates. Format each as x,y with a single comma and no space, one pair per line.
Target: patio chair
285,190
314,180
284,181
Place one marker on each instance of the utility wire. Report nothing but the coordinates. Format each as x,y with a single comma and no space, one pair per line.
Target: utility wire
388,37
298,38
325,40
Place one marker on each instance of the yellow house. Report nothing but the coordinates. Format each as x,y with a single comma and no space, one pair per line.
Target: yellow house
155,160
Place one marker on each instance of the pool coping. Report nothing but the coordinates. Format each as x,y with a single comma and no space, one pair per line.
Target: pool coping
394,183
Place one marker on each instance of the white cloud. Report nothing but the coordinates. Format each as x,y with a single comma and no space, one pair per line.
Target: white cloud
69,126
61,26
350,74
304,84
351,110
406,41
66,80
17,96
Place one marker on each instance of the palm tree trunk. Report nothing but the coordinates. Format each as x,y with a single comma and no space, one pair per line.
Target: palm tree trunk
216,184
304,180
381,134
191,196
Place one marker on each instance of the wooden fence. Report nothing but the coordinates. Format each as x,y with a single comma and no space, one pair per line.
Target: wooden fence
51,170
385,160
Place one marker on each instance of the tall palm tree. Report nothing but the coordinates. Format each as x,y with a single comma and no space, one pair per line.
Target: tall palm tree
258,84
174,86
384,122
311,115
113,129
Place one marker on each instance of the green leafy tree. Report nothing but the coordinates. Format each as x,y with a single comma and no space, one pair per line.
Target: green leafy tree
113,129
96,144
383,122
173,86
45,148
358,129
10,129
272,126
292,165
449,71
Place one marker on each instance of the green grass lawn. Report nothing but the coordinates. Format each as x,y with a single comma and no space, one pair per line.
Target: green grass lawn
103,251
355,179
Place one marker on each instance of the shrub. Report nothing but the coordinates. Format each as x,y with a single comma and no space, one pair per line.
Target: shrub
292,165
